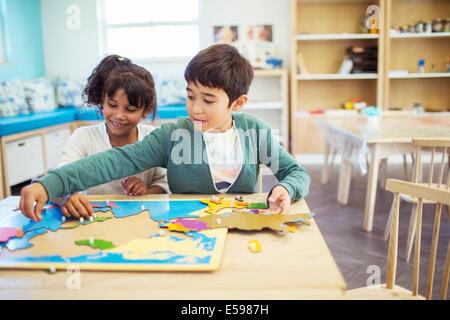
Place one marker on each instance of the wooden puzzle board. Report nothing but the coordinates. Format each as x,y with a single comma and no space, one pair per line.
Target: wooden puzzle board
140,243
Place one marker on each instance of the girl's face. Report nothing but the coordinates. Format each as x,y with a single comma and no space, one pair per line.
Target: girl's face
208,108
121,118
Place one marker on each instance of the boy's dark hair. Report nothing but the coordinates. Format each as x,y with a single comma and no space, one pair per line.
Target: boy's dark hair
115,72
221,66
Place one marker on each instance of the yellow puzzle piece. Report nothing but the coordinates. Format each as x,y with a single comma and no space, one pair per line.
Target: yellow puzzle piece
217,204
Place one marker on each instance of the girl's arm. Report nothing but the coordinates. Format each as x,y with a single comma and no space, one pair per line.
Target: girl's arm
159,181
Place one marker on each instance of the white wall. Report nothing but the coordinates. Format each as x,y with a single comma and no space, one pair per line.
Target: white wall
76,52
69,52
244,13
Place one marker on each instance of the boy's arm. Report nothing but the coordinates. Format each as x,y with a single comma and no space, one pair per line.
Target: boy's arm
74,149
109,165
293,177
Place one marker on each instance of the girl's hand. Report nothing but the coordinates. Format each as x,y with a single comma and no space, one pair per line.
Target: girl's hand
134,186
279,201
35,192
76,205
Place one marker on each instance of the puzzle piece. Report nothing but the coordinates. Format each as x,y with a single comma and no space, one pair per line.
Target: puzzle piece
186,225
217,204
245,220
254,246
10,232
100,217
96,244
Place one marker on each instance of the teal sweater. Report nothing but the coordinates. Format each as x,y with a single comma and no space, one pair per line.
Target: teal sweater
181,149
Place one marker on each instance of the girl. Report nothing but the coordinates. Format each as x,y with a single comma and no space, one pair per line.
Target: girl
125,93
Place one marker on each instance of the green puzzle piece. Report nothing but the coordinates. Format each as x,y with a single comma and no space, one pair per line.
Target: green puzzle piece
96,244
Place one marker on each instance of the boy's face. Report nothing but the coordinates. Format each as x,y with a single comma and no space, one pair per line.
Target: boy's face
208,108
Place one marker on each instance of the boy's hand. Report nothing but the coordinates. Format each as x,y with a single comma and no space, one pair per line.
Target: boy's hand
35,192
77,205
134,186
279,200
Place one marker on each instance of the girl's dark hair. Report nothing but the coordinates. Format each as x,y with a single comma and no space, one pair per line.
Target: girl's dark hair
115,72
221,66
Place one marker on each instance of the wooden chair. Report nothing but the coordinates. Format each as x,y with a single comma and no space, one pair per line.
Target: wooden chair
423,147
438,193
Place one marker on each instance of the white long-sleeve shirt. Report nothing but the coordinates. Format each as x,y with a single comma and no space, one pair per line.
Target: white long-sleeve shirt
88,140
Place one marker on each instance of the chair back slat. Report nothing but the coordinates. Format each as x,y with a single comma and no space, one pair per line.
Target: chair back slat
417,165
434,243
417,245
448,180
430,178
441,169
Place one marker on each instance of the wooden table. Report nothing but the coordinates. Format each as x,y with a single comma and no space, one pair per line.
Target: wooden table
298,265
391,136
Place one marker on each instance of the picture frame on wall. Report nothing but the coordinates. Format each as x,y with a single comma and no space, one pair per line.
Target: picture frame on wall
260,32
225,34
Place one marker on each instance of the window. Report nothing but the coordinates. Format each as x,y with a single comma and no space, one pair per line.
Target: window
143,29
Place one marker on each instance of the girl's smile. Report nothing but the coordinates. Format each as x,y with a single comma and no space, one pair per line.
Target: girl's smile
121,118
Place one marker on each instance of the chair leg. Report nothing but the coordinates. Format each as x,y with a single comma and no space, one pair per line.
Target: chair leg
325,168
446,276
383,173
393,245
416,270
387,230
405,168
411,232
332,158
434,243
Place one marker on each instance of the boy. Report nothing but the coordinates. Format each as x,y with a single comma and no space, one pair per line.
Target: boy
213,151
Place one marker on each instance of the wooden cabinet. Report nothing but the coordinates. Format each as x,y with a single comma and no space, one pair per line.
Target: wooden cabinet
321,32
403,51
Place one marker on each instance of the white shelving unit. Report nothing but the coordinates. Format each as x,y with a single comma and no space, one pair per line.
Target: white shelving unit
268,100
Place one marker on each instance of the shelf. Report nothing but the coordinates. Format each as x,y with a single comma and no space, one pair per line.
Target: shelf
336,76
269,72
421,75
338,36
330,112
267,105
419,35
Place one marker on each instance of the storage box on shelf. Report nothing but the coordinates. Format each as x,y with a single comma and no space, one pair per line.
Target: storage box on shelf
403,51
322,30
